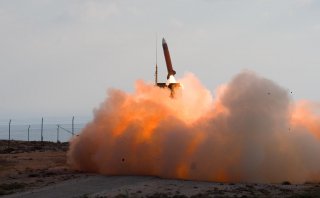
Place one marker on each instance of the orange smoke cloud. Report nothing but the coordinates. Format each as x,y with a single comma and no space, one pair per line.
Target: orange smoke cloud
247,132
303,116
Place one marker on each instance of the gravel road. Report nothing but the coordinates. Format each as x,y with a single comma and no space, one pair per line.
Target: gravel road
86,185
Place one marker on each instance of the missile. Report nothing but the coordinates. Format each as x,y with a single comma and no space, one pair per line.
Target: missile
168,59
171,84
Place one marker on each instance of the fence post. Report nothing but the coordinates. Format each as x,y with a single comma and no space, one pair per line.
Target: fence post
58,133
42,129
28,132
9,132
72,126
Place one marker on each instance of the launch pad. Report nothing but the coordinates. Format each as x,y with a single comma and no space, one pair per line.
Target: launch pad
171,86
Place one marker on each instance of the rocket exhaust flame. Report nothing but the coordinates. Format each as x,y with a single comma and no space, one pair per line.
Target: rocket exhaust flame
250,131
170,80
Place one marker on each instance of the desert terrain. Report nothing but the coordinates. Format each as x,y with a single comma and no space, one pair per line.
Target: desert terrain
35,169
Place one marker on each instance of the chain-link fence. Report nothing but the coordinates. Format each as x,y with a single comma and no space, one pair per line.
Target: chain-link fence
42,131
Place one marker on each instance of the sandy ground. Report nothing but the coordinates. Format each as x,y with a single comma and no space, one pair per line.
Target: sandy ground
32,169
29,165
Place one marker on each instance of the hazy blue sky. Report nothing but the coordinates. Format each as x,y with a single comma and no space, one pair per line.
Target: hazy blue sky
58,57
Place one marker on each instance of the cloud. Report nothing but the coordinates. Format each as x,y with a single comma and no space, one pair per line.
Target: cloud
304,2
95,10
176,23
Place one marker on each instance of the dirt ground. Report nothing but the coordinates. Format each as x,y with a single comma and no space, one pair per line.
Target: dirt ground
29,165
35,169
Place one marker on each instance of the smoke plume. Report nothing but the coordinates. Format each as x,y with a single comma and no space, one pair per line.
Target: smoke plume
249,131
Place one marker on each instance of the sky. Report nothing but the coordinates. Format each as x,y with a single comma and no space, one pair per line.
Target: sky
59,58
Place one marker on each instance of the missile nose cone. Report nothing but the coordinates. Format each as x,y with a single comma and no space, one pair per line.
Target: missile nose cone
164,41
